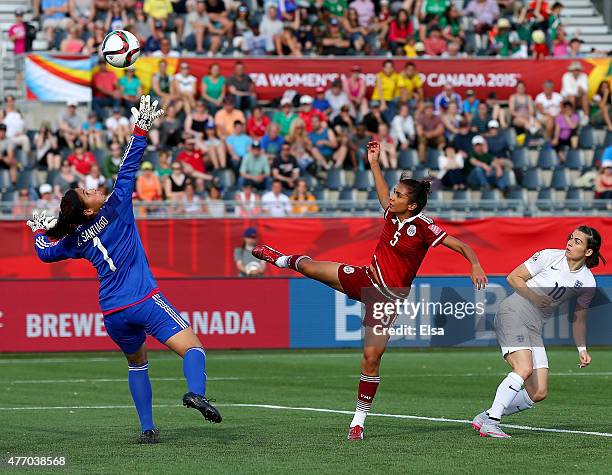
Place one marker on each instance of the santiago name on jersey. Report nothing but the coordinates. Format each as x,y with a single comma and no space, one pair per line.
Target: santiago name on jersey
110,241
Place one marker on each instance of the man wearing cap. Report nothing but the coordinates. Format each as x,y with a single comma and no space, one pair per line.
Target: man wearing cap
497,143
482,169
106,92
307,112
320,103
575,87
81,160
226,117
333,42
284,117
7,155
17,34
254,168
69,123
243,256
47,201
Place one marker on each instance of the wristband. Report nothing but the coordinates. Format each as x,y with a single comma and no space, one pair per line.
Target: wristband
139,131
581,349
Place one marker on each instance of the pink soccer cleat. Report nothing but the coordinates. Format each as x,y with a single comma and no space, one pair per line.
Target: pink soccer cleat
266,253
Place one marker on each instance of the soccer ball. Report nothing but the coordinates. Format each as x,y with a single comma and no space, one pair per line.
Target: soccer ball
120,48
538,37
253,267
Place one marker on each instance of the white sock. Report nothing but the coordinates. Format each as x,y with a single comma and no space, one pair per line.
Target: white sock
359,418
506,392
282,261
521,402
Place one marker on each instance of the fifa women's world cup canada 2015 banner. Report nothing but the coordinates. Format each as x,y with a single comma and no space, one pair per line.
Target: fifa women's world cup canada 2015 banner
51,77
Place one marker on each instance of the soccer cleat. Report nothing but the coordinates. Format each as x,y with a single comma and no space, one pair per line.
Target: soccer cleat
266,253
150,436
479,420
355,433
210,412
491,428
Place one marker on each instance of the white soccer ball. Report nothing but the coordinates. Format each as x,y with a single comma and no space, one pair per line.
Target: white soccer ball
120,48
253,268
538,37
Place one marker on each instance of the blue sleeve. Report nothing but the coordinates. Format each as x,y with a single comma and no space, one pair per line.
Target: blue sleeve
51,251
124,185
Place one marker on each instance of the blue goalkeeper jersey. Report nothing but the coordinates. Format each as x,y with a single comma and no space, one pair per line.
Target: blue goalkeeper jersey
110,241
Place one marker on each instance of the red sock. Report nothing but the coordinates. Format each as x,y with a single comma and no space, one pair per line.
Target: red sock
294,261
365,395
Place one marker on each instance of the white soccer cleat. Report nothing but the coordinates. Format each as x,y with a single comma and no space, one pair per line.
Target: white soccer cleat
479,420
491,429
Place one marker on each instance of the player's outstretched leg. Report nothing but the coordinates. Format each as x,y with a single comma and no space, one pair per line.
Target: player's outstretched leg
186,344
140,388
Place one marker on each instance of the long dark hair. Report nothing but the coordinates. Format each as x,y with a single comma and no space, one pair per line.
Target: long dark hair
593,243
72,215
419,191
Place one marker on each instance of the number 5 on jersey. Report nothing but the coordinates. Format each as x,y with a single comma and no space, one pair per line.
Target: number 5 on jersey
104,252
396,237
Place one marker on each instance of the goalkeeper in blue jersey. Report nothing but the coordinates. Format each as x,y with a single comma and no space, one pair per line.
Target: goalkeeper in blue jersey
103,231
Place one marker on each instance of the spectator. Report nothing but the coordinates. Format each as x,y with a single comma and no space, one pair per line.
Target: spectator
343,122
307,112
497,143
196,122
110,166
81,160
566,130
54,16
183,87
218,14
320,103
271,27
301,146
410,85
450,24
485,13
470,104
388,149
435,45
247,265
93,43
47,152
131,88
118,127
214,206
170,129
374,118
258,123
334,43
548,106
94,179
575,88
480,121
106,92
603,181
213,88
355,88
238,145
174,186
254,42
154,41
445,97
385,89
274,202
69,124
561,46
353,30
164,167
247,201
148,186
242,88
158,10
337,98
192,160
285,168
214,148
575,46
73,42
7,155
47,201
522,109
303,201
15,125
197,24
430,131
325,145
365,11
92,132
242,26
191,203
23,206
450,164
462,142
18,35
602,106
254,167
160,84
505,42
65,180
453,50
482,169
140,26
284,117
358,147
400,29
272,141
227,117
451,118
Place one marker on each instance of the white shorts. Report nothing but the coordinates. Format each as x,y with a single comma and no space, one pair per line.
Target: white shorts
513,334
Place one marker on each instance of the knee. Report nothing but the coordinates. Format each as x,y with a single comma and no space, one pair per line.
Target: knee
539,395
137,359
371,361
523,371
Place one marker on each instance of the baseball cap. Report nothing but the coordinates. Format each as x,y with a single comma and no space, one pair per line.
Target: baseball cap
78,144
478,140
503,23
285,101
250,232
320,89
19,12
374,103
71,103
306,100
606,164
493,124
45,188
256,144
146,165
158,24
334,22
2,126
575,66
470,92
419,46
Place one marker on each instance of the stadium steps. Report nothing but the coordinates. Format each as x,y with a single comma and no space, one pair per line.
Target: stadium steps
582,15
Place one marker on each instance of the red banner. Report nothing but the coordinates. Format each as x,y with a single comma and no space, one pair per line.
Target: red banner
64,315
204,248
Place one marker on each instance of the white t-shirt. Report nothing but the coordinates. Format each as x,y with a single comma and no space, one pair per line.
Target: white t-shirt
551,106
551,276
92,183
276,205
112,122
570,84
15,125
185,83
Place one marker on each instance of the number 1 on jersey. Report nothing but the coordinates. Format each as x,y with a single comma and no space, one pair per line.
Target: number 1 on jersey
107,258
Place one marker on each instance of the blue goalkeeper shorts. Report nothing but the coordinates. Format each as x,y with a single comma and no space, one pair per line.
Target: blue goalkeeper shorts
155,316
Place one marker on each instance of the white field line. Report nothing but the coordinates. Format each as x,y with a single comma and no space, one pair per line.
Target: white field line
315,409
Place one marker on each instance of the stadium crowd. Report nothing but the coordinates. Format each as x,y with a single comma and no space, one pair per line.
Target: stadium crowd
218,143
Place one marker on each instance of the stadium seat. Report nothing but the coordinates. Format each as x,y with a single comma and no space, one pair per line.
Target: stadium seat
461,199
431,158
152,156
490,199
510,135
364,181
560,179
5,179
229,194
608,139
27,179
586,137
420,173
517,193
435,195
573,159
311,181
408,159
597,154
347,199
374,204
532,179
392,176
574,199
547,159
519,158
335,179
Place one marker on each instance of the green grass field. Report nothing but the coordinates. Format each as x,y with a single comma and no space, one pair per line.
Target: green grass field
78,406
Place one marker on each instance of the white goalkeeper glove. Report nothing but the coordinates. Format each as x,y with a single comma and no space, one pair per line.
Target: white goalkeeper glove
146,114
40,221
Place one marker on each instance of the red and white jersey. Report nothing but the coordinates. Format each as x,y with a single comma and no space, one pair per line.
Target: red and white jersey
401,249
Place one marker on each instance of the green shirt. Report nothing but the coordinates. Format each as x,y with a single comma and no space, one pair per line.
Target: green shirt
436,7
283,121
109,168
214,89
130,86
255,164
162,172
336,7
482,157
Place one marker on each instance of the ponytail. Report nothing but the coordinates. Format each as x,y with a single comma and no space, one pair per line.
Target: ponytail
70,217
419,191
593,243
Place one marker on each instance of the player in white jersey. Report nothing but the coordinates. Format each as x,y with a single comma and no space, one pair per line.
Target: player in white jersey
542,283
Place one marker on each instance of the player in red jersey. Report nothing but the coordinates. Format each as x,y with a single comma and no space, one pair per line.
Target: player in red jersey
406,236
